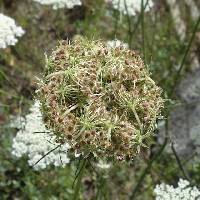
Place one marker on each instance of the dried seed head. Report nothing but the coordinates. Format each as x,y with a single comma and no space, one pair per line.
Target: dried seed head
100,100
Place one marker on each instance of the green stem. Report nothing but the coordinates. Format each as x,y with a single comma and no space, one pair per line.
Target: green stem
177,77
79,178
116,20
146,170
132,34
142,28
150,163
180,165
129,25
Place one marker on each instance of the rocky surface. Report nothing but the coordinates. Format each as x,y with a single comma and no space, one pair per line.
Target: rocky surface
184,120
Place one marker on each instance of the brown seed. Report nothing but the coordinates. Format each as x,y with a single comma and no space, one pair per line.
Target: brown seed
69,137
73,121
53,97
99,52
77,48
93,132
87,135
61,51
130,133
62,57
121,148
145,104
60,120
53,104
106,51
70,116
70,128
93,77
91,84
88,142
46,89
127,62
77,145
59,140
82,143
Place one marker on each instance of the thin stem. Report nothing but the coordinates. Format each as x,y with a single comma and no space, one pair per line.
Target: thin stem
137,24
47,154
102,192
185,174
79,162
116,19
142,28
146,170
150,163
79,178
129,24
177,77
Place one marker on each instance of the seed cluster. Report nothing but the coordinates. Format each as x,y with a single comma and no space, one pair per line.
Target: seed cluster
100,100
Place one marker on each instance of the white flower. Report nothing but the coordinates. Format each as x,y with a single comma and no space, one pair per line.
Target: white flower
130,7
9,31
60,3
182,192
103,165
35,141
116,43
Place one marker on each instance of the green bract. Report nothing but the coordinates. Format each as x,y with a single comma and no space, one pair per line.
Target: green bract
100,100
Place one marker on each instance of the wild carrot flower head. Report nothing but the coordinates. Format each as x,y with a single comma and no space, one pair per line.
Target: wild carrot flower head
184,191
36,142
9,31
60,3
100,100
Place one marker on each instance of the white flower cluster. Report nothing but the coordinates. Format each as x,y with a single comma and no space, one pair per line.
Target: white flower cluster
116,43
9,31
35,141
182,192
60,3
130,7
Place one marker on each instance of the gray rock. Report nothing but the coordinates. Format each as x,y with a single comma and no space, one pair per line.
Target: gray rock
184,120
189,89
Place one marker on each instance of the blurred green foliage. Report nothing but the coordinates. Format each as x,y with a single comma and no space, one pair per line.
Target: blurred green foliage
21,63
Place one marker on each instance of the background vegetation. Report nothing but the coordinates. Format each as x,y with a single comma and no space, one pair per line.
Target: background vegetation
168,57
